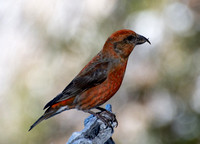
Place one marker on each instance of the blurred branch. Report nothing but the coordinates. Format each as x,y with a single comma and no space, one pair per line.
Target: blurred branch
95,131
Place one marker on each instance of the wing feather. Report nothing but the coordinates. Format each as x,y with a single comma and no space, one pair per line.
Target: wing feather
91,76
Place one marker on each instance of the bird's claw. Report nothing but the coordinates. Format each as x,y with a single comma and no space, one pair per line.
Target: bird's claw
108,118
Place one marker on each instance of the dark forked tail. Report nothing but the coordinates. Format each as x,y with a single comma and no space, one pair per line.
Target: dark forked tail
37,122
50,112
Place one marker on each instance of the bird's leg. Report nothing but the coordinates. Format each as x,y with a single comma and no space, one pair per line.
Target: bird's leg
101,109
99,116
112,115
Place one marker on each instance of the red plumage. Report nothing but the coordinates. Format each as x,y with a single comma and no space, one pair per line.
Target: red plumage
99,80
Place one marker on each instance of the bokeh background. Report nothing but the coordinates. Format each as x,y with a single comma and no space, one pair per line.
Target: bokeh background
44,44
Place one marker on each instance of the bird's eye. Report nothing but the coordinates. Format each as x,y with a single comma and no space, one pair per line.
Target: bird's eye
130,38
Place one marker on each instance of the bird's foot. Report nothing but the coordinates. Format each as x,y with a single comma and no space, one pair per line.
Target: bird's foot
109,118
108,111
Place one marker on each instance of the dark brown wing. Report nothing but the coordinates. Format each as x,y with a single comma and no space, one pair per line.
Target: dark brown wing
91,76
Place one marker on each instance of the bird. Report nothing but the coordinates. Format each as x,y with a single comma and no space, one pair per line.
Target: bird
99,80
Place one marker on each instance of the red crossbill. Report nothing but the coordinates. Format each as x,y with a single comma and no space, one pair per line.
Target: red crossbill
99,80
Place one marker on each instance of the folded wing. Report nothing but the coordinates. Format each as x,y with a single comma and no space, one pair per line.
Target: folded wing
92,75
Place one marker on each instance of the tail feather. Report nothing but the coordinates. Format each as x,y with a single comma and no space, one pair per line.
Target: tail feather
37,122
53,101
50,112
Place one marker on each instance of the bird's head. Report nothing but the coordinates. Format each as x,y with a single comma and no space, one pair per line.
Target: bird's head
123,41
